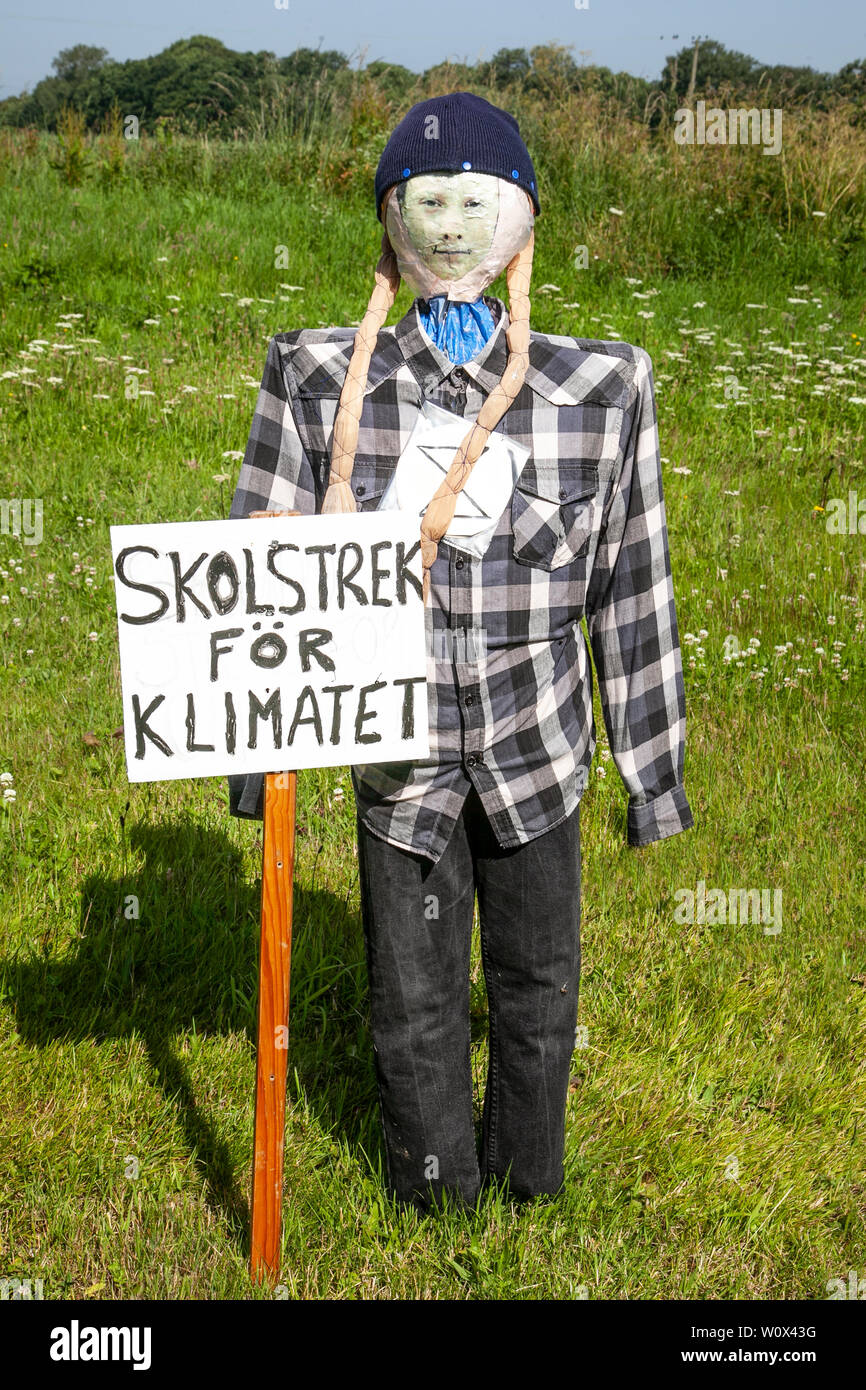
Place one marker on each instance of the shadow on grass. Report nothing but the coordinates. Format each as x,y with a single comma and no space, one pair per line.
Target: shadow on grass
174,946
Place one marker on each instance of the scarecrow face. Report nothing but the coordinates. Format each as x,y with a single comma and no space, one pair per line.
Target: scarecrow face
451,219
453,233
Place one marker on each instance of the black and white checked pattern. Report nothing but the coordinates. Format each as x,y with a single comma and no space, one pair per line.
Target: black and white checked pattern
584,536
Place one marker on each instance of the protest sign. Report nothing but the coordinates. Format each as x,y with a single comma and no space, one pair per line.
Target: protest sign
252,645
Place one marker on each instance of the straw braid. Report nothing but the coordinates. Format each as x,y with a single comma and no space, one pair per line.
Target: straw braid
339,496
440,510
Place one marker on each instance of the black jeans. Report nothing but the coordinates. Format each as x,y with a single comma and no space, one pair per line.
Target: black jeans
418,925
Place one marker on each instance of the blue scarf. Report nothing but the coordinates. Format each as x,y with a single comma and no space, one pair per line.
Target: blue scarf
459,330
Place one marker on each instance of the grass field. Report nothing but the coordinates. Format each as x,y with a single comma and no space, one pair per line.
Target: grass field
715,1128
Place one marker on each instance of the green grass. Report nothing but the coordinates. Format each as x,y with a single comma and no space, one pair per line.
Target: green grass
715,1125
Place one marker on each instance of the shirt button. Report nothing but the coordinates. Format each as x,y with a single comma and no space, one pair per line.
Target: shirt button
470,699
459,375
459,562
562,494
361,488
473,760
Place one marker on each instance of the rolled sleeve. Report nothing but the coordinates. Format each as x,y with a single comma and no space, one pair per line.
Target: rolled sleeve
659,818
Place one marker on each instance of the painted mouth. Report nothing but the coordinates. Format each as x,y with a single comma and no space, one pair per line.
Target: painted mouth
453,251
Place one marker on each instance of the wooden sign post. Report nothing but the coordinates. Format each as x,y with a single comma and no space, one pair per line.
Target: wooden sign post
275,959
272,1034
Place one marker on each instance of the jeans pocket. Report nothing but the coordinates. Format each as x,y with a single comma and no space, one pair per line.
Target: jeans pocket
553,513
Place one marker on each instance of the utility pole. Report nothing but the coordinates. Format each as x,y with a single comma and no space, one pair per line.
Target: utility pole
691,92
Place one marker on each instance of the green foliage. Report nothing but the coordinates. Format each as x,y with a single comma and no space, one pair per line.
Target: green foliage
199,84
73,157
717,67
507,66
309,65
393,80
76,65
36,272
112,148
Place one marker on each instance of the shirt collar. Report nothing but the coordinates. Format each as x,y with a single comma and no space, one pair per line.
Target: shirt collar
551,370
430,365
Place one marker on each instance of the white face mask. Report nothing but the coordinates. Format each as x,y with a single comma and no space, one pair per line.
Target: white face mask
454,233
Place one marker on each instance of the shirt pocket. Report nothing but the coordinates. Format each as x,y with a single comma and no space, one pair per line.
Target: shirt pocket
554,508
369,480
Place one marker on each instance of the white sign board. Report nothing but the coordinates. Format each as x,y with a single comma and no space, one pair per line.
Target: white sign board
270,644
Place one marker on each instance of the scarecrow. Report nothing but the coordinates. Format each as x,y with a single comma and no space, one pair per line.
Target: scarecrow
532,461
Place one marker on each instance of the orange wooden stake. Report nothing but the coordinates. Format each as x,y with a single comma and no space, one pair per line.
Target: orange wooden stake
275,957
278,855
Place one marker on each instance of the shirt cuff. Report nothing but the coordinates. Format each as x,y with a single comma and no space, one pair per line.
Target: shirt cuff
664,815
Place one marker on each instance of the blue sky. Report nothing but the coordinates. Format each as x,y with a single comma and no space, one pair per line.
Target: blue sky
622,34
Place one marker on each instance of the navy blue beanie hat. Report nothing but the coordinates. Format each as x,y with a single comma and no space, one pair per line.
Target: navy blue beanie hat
456,132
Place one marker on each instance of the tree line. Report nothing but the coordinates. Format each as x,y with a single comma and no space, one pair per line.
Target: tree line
199,85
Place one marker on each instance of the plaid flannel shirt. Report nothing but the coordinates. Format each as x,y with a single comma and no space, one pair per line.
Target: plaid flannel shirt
584,535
